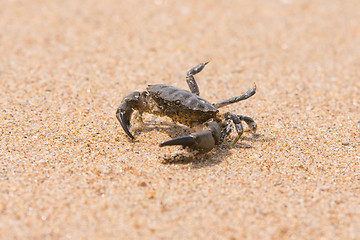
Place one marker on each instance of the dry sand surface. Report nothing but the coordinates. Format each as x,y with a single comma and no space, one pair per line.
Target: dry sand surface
68,171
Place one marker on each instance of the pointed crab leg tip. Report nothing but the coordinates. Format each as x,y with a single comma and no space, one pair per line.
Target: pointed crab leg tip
254,86
129,134
184,141
207,62
235,140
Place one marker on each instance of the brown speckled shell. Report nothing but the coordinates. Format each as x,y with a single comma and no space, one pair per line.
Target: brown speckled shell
180,105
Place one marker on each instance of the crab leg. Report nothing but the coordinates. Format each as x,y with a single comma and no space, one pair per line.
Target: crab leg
194,88
238,125
227,126
236,119
244,96
249,121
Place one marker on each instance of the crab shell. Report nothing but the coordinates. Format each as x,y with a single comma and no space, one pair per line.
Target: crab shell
180,105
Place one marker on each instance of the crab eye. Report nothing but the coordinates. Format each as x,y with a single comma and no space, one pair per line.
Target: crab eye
177,102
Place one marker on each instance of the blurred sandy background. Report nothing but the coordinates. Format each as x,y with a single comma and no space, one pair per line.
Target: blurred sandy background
68,171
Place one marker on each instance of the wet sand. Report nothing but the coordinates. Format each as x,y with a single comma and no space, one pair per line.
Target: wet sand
68,171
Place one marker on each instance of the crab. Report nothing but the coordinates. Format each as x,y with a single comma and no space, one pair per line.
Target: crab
209,127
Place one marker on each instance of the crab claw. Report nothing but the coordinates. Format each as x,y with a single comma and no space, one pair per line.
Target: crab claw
183,141
126,108
202,141
125,122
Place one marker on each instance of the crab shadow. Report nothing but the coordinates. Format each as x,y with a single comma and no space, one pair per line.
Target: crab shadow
171,129
256,137
245,141
197,160
215,156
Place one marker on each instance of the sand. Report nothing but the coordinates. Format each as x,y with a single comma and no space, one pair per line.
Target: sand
68,171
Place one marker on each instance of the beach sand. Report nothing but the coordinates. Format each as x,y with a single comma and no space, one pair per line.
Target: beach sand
68,171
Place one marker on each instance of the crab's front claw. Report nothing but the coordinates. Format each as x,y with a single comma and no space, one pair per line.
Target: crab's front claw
201,141
126,108
124,119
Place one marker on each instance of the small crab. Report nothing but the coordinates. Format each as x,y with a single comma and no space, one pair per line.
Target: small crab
189,109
